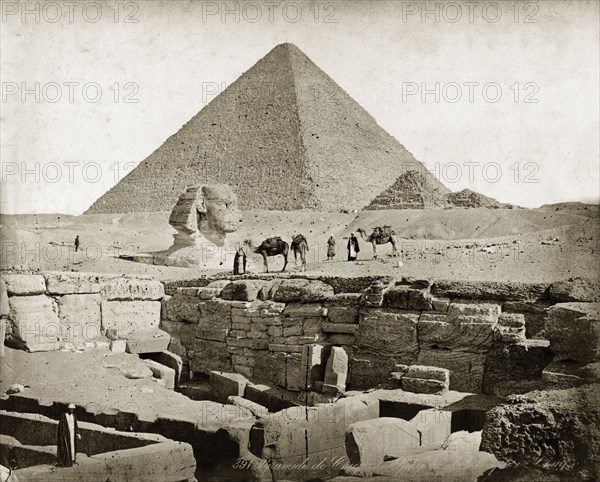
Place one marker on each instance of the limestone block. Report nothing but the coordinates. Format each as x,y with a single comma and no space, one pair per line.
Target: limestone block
466,369
180,307
489,311
118,346
407,298
72,283
474,337
297,290
488,290
242,290
211,333
574,331
434,427
254,408
148,341
209,293
312,367
34,322
269,367
24,284
4,308
368,370
370,441
388,331
308,310
80,317
210,355
313,326
225,385
575,289
341,339
440,304
295,376
421,385
130,317
342,314
428,373
336,370
340,328
174,361
132,289
293,331
162,372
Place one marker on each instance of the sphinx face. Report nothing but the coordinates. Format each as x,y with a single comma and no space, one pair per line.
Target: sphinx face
222,211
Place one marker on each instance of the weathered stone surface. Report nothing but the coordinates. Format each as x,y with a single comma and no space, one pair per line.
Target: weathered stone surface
180,307
174,361
71,283
80,317
148,341
568,374
369,369
162,372
295,377
574,331
312,366
374,295
24,284
341,339
475,337
480,309
370,441
489,290
466,369
408,298
242,290
535,314
214,334
132,289
434,427
297,290
34,322
517,363
427,373
421,385
388,331
118,346
269,367
342,314
225,385
4,308
575,289
256,409
209,356
130,317
340,328
336,369
555,429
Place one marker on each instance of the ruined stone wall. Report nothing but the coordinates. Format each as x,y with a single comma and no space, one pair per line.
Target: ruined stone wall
56,310
478,331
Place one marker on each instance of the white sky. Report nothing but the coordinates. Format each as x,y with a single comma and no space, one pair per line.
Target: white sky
61,156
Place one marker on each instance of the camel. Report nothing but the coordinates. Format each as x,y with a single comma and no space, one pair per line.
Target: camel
380,235
272,247
299,246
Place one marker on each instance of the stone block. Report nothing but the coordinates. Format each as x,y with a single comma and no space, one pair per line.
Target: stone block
225,385
72,283
181,308
242,290
406,298
512,320
489,311
80,317
434,427
488,290
573,330
293,331
440,304
34,323
312,367
575,289
341,339
308,310
149,341
388,331
342,314
210,355
213,334
175,362
340,328
369,442
130,317
421,385
466,369
254,408
474,337
313,326
336,369
117,346
427,373
132,289
162,372
297,290
4,308
209,293
24,284
368,370
568,374
269,367
508,334
295,376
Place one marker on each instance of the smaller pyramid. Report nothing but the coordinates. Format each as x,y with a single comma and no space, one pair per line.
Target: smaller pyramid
412,190
471,199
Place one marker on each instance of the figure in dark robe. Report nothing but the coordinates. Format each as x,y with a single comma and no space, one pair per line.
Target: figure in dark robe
239,261
353,247
67,436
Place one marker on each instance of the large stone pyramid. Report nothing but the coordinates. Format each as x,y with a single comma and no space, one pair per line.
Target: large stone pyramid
284,136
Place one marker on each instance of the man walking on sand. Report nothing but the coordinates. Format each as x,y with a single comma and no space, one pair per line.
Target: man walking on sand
68,434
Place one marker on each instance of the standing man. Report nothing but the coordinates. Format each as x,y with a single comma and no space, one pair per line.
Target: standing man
76,243
353,248
330,248
67,436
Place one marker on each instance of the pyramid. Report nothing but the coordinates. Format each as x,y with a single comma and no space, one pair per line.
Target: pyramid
284,136
412,190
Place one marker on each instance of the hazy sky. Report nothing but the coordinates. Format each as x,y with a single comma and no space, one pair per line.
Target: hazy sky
512,108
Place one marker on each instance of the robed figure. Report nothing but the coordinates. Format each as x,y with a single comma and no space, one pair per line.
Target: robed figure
67,436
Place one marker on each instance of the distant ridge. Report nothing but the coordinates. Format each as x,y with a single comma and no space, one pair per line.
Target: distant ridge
284,136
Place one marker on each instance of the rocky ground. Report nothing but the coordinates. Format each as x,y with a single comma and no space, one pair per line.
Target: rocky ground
556,242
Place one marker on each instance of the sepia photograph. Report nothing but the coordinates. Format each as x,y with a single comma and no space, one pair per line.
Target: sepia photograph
300,241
